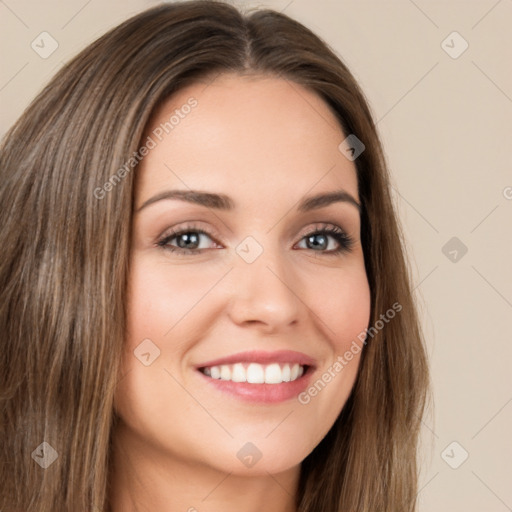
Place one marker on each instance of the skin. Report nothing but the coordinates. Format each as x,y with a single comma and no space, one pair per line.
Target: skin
266,143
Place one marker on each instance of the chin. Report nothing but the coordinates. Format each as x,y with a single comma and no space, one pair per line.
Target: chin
259,458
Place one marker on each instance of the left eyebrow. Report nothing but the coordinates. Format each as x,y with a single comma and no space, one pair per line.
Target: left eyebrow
223,202
323,200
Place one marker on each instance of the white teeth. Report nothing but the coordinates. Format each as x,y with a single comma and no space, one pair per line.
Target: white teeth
294,372
273,374
225,372
255,373
238,374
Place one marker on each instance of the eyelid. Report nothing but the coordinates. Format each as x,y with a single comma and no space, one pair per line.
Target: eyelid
214,234
320,226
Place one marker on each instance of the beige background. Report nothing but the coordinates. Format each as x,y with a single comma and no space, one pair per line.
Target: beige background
446,125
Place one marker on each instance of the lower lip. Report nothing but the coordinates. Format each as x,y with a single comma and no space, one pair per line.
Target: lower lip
262,393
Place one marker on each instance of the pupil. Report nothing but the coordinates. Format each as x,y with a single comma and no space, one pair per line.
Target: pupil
322,244
188,239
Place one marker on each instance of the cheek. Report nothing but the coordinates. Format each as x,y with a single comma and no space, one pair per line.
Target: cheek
160,296
342,302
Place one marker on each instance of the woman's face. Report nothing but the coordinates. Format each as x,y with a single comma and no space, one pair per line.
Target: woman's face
239,275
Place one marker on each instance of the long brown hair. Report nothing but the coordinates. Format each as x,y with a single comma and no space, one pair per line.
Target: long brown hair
64,261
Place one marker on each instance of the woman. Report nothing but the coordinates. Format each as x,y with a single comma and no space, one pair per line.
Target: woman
206,300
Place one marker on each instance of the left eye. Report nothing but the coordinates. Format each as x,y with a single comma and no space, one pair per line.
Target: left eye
321,241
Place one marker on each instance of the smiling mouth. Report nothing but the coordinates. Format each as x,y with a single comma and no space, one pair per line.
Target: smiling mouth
255,373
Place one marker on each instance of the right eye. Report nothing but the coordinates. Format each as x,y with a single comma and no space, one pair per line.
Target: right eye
188,241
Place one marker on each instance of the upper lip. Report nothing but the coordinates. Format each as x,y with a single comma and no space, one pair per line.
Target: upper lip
256,356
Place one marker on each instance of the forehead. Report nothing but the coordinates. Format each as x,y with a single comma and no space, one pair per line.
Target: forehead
256,132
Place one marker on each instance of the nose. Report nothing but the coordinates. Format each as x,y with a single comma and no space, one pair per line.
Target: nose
265,294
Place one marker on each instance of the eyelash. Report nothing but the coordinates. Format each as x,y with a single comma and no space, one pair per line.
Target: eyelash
345,242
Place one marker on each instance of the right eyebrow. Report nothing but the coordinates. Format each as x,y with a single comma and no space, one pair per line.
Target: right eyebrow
217,201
